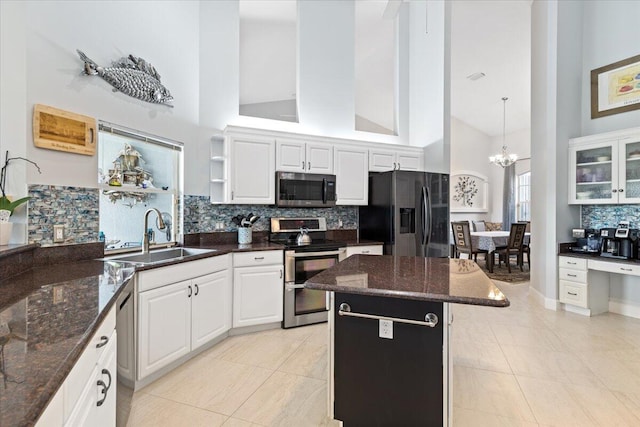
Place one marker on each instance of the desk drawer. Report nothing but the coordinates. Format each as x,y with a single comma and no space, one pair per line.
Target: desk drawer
573,263
615,267
573,293
573,275
257,258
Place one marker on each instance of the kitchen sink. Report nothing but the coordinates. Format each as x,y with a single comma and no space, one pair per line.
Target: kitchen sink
161,255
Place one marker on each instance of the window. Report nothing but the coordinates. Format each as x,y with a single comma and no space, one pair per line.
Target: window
137,172
524,197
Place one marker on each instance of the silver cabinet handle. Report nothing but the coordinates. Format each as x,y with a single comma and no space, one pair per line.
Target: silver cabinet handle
626,269
197,289
572,275
394,165
281,274
232,195
571,263
398,165
190,292
258,258
103,341
614,191
308,166
365,252
621,190
303,165
430,319
105,387
572,293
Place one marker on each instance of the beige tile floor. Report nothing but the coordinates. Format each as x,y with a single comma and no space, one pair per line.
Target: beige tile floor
519,366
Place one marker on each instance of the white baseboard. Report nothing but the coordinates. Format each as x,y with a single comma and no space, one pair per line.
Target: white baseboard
577,310
548,303
625,308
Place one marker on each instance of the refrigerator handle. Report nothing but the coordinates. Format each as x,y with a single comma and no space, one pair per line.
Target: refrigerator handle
423,208
430,217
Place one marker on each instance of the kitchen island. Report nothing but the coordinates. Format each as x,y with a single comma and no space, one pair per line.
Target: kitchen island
390,327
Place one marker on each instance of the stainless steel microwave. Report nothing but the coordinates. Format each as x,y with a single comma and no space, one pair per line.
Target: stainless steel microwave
305,190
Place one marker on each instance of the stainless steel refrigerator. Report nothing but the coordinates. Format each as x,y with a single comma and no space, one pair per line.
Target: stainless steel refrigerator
409,212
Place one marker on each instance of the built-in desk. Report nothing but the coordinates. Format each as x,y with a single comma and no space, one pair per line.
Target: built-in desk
584,284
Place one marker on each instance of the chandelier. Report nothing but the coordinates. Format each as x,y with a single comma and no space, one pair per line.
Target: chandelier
503,159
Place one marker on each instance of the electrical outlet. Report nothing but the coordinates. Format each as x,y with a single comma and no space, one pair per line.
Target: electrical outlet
58,233
386,329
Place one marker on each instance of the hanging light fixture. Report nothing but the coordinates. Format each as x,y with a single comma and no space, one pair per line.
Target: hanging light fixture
503,159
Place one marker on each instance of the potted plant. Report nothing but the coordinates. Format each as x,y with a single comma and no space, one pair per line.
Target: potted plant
7,206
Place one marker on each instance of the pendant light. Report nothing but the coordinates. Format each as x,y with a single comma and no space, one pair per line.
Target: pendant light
503,159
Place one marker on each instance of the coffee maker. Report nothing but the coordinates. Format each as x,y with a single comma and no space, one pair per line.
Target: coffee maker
620,242
587,241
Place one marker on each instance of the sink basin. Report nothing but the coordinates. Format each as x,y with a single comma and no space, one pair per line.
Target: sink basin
160,256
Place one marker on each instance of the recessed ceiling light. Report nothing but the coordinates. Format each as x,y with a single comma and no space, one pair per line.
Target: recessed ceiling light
476,76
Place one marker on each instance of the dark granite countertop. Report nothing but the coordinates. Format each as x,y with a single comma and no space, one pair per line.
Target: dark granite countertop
47,316
425,279
565,251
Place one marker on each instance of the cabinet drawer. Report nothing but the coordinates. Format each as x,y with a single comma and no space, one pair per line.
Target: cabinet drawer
252,259
615,267
573,293
365,250
573,275
573,263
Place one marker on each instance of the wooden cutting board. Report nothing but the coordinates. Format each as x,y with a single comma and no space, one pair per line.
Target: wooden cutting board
61,130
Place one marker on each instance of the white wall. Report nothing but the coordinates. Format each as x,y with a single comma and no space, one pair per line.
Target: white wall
609,34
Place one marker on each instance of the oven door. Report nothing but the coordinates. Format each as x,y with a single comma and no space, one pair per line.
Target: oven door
305,306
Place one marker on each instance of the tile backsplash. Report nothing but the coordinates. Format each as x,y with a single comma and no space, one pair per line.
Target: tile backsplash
602,216
75,207
78,209
200,216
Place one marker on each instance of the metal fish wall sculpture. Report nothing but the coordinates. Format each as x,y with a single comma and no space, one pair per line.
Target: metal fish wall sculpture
132,76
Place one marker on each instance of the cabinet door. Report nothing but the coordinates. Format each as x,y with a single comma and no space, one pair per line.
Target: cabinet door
320,158
381,160
164,325
409,162
106,402
629,170
257,295
253,171
210,307
85,409
352,176
593,173
290,156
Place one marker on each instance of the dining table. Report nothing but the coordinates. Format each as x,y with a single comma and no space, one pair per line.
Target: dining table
491,240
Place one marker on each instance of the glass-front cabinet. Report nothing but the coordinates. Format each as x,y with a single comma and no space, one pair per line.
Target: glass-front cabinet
605,172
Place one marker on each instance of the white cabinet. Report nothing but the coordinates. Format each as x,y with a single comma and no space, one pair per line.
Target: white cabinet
605,169
88,394
176,318
364,250
258,288
298,156
381,160
352,175
583,288
252,170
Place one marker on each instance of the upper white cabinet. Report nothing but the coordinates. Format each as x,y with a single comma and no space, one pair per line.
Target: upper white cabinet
381,160
252,170
352,175
298,156
605,169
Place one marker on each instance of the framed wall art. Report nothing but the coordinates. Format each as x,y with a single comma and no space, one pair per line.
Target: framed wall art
469,192
615,88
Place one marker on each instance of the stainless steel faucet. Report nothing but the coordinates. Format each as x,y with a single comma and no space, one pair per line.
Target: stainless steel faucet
145,236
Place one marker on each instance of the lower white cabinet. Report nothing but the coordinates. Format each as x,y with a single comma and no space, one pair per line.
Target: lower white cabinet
88,395
175,319
581,287
258,286
364,250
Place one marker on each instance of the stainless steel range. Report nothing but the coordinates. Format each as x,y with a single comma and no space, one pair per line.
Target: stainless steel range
301,262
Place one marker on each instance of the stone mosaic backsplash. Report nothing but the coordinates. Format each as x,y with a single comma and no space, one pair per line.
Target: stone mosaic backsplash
74,207
200,216
78,209
602,216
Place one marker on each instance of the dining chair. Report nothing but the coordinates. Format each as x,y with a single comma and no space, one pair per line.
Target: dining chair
462,240
479,226
514,246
